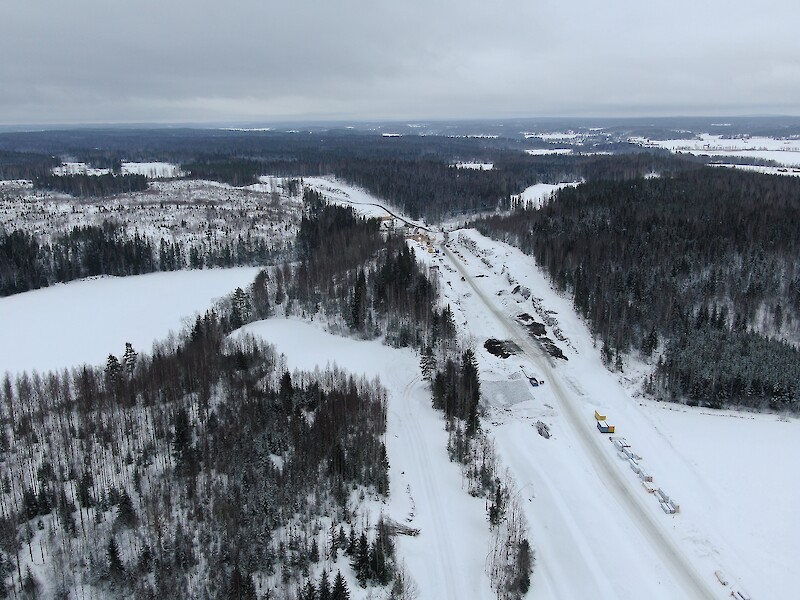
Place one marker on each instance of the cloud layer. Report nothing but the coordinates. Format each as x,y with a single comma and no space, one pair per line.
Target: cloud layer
260,60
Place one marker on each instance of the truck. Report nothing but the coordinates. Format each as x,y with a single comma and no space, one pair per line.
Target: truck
598,416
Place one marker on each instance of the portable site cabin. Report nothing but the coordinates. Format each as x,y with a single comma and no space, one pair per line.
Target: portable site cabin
604,427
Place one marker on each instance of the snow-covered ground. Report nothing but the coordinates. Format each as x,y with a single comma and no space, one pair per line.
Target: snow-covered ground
544,151
597,531
153,170
189,211
344,194
447,559
783,151
85,321
535,195
785,171
478,166
78,168
552,136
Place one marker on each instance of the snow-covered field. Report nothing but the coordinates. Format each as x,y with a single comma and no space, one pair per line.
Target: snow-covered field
597,531
153,170
535,195
544,151
552,136
784,171
78,168
783,151
478,166
85,321
338,192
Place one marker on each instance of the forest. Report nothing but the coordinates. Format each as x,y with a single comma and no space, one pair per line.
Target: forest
80,185
414,172
208,470
26,263
157,476
698,270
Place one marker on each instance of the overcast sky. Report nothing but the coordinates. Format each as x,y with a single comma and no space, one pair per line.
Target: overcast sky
117,61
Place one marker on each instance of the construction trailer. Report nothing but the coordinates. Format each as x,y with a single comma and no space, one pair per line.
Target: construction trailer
604,427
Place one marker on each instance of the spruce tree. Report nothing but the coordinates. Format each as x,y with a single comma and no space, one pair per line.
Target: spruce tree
115,567
324,589
340,591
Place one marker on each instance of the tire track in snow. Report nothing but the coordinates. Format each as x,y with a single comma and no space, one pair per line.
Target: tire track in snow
418,444
574,545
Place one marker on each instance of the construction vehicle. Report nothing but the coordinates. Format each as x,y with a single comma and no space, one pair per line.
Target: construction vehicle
532,379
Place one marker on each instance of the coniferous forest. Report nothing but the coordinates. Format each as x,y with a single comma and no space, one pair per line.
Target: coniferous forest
700,269
91,185
26,263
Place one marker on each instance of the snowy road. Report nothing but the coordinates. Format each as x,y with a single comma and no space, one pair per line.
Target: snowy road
664,547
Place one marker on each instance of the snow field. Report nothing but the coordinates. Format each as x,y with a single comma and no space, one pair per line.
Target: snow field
153,170
84,321
782,151
535,196
363,203
478,166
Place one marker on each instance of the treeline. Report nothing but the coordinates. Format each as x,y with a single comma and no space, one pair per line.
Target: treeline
26,263
25,165
232,170
430,187
651,262
413,172
80,184
204,470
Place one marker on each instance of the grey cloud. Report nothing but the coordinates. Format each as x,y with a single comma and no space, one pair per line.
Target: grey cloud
182,60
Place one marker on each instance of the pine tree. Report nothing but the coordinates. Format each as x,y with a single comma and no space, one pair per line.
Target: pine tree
360,562
497,506
340,591
129,358
324,589
380,555
113,369
471,392
116,569
309,591
126,513
358,304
